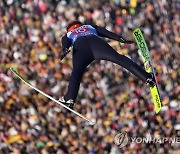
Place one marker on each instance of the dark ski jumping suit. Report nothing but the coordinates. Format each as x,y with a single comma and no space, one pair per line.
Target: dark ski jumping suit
87,47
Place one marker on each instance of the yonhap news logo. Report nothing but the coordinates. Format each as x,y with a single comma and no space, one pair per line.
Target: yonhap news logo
121,139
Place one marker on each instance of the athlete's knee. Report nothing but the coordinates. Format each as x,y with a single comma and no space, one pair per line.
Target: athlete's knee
126,60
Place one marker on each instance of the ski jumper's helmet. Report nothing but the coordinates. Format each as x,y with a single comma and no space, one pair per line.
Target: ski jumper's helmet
73,25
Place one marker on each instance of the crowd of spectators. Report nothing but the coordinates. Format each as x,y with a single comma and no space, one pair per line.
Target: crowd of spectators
30,40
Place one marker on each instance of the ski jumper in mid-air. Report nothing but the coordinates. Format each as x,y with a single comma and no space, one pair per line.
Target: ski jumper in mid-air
87,47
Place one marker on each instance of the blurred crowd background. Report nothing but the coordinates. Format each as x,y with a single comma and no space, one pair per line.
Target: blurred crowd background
30,40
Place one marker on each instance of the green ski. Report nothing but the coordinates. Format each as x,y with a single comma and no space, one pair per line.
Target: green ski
145,55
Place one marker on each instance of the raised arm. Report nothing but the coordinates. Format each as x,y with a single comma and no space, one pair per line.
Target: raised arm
105,33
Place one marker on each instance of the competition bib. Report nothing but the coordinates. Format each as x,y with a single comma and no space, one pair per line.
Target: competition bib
83,30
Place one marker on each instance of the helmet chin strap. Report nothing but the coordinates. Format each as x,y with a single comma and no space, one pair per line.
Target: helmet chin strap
74,27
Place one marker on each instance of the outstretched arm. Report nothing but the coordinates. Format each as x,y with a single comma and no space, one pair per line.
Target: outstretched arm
105,33
66,43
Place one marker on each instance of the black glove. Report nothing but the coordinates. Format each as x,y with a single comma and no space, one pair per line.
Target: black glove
64,53
129,42
125,41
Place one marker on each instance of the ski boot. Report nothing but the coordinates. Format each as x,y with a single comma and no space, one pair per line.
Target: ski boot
151,81
69,103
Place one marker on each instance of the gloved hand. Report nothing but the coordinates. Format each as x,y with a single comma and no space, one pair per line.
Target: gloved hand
125,41
129,42
64,53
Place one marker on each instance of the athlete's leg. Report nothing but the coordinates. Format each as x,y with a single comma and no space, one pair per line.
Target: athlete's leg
82,57
104,51
74,82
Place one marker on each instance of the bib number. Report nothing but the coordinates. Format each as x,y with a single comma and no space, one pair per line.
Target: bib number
81,30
